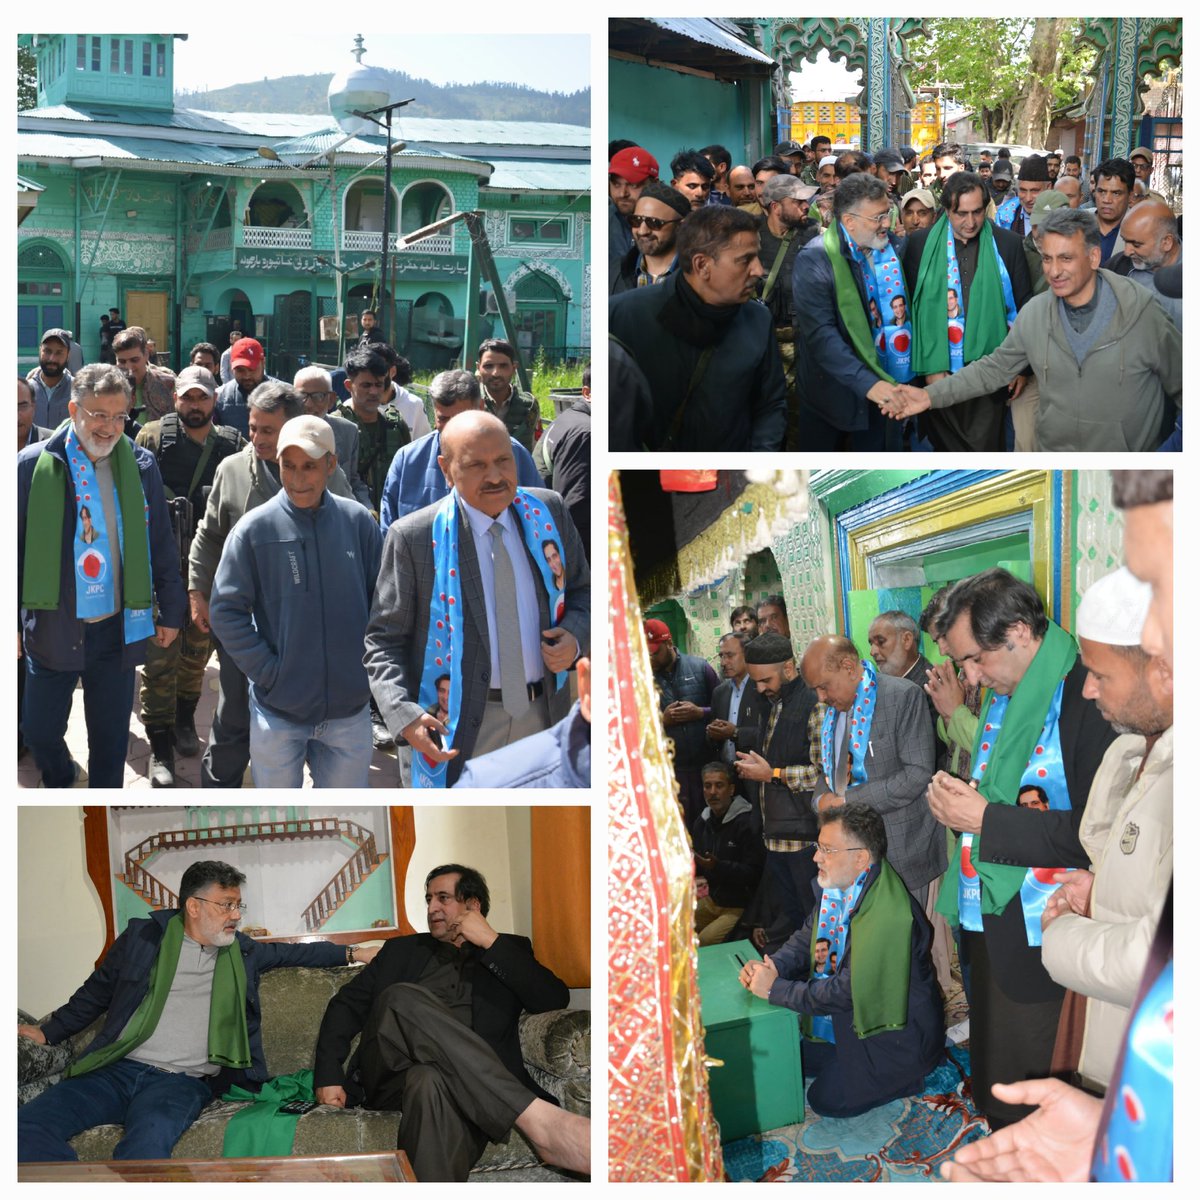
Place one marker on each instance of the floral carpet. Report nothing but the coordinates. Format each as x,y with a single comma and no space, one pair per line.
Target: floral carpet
904,1141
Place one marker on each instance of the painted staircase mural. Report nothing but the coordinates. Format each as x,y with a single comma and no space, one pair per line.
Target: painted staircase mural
362,863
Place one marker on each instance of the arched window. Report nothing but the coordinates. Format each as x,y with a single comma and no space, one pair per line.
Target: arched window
422,204
276,216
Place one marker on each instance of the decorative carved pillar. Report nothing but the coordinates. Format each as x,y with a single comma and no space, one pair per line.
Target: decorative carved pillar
875,127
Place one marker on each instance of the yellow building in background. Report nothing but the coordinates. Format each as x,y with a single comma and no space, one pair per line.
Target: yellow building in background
840,123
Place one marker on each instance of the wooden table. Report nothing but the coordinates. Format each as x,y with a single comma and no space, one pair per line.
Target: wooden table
392,1167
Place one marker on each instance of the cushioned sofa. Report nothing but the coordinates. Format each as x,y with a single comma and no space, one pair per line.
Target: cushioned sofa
555,1046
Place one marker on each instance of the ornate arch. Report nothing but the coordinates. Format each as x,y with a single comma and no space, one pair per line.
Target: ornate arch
876,46
542,268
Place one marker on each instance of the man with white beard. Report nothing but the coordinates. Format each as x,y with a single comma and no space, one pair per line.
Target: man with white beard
96,560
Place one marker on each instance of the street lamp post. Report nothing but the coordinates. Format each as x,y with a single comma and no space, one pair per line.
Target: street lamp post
385,249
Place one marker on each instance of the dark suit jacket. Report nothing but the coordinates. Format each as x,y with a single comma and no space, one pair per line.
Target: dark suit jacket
1012,255
751,712
512,981
900,762
1026,837
396,632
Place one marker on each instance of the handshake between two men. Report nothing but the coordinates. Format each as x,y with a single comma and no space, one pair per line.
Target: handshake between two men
901,400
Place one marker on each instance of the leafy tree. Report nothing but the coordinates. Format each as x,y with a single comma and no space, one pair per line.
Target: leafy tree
26,78
1012,71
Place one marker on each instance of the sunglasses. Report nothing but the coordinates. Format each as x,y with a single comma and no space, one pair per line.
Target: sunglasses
654,224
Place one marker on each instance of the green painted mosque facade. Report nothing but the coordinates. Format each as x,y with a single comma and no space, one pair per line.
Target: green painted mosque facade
174,217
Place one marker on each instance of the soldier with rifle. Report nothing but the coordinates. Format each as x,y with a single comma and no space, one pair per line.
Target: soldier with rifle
188,447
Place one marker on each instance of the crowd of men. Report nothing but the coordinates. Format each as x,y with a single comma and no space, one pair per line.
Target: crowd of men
854,301
1013,800
313,533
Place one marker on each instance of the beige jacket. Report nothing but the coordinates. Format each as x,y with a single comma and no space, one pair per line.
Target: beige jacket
1127,833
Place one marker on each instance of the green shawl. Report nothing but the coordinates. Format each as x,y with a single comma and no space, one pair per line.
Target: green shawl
986,325
1014,744
42,583
882,943
228,1038
260,1130
849,303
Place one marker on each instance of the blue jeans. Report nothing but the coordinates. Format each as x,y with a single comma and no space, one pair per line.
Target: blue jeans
107,705
338,751
154,1106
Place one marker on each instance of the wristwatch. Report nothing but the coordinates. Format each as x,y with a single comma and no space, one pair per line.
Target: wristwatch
777,773
350,954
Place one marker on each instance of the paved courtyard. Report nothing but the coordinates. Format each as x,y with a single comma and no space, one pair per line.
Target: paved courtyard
384,771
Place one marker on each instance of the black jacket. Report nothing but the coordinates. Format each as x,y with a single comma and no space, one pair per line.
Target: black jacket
751,713
569,444
737,399
1012,255
786,814
512,981
1026,837
886,1064
737,845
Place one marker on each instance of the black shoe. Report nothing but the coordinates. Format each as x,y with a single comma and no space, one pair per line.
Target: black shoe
379,733
186,741
162,757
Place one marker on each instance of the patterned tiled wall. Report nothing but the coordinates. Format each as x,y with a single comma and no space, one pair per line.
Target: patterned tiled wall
798,565
1098,531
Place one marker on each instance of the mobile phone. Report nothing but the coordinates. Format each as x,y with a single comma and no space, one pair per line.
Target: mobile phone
297,1108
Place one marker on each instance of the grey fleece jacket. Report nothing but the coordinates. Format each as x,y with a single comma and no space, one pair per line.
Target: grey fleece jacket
1114,401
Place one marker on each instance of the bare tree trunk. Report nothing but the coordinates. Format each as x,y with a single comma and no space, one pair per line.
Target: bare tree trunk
1031,120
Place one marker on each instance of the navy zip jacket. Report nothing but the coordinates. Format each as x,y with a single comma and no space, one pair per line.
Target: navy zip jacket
120,983
290,603
54,637
830,377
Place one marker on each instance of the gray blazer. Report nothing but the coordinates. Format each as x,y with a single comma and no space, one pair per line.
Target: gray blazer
345,440
399,624
900,764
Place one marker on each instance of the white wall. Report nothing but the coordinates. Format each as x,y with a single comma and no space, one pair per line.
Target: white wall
60,927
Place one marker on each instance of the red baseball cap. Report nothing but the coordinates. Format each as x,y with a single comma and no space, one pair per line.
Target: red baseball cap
246,352
656,633
634,165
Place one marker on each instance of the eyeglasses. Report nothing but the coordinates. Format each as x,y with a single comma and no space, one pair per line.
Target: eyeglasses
652,223
99,418
316,395
229,906
825,850
878,221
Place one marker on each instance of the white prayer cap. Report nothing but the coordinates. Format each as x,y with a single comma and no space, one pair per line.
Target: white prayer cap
829,158
1113,610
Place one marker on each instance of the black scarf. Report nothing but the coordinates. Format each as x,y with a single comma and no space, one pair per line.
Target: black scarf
688,317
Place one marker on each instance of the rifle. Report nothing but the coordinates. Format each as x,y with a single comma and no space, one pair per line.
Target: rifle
180,508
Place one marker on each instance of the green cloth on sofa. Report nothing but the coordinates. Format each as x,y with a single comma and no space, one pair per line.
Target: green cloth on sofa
261,1130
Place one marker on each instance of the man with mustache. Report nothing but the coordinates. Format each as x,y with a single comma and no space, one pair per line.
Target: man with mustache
160,1056
708,354
842,364
50,379
460,589
863,1052
87,608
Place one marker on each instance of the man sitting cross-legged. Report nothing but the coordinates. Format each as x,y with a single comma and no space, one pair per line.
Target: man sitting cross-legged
438,1013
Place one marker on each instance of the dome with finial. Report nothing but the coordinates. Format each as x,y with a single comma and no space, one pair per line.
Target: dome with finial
358,87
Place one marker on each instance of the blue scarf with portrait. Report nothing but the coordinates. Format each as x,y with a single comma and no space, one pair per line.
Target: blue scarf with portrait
858,735
884,282
444,640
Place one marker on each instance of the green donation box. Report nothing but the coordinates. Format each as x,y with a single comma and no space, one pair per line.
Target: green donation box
761,1085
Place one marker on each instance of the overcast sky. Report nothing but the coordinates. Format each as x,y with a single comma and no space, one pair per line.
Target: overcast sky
549,62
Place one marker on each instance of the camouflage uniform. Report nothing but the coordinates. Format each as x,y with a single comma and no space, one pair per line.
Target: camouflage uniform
522,418
377,446
172,678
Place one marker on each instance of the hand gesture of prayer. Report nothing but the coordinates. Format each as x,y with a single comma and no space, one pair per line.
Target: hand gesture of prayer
944,688
751,765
